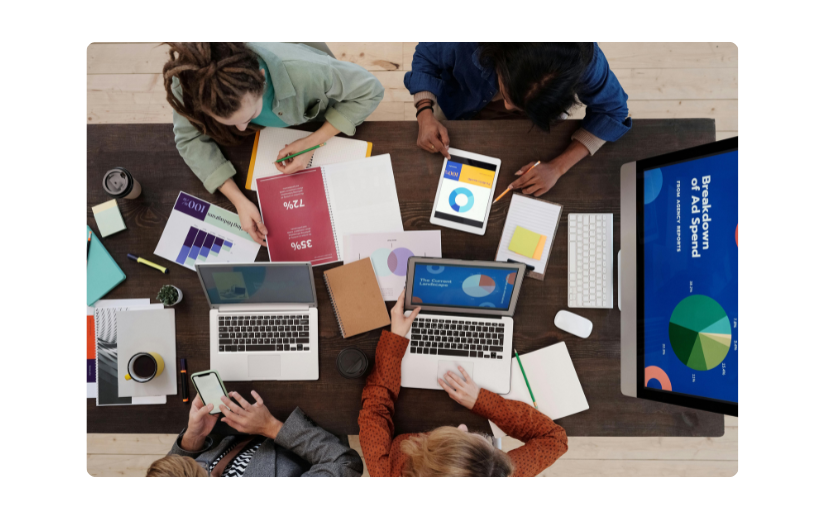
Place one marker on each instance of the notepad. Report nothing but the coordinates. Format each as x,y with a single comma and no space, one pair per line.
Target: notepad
108,218
527,243
356,298
102,273
270,141
536,218
553,380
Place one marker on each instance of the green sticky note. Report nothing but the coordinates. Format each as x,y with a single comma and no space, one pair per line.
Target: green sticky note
108,218
526,242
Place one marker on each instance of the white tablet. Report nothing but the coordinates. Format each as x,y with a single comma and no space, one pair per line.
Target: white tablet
465,191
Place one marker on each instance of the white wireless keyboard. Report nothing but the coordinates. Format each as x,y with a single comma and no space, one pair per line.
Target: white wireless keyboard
590,261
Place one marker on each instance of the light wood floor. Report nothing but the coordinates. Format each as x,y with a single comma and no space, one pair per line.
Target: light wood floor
663,80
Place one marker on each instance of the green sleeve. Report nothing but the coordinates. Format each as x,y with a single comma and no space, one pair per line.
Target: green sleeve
201,153
355,94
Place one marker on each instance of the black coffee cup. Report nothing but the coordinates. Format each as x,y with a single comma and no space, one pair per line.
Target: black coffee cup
352,363
119,183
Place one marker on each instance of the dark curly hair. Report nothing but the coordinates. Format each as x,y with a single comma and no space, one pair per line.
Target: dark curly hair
539,78
214,78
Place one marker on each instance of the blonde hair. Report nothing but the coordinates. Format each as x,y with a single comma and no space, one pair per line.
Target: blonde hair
448,451
174,466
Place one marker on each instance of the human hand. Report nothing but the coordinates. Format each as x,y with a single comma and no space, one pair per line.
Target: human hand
401,324
249,418
200,424
540,179
432,135
297,163
251,221
464,391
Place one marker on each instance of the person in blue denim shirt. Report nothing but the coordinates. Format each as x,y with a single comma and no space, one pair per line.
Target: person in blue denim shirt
545,81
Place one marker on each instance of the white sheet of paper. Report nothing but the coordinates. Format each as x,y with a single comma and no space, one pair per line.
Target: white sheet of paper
362,198
536,216
273,140
389,252
554,382
147,331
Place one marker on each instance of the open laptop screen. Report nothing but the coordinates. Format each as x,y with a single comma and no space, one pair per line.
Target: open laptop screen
248,284
459,286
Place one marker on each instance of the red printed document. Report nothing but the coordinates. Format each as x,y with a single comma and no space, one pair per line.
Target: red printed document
308,213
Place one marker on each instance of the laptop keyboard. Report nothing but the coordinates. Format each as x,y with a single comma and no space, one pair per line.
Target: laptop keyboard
457,338
242,333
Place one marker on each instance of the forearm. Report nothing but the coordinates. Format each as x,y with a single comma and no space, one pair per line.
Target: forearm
192,442
322,134
233,193
571,156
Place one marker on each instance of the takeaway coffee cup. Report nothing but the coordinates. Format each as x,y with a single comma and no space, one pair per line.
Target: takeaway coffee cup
143,367
119,183
352,363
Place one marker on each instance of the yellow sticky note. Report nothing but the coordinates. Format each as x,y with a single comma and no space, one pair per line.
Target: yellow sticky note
527,243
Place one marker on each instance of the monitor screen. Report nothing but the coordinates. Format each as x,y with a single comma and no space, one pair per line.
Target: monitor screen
466,188
244,284
691,277
458,286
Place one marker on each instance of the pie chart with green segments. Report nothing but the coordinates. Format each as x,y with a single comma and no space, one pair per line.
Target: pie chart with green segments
700,332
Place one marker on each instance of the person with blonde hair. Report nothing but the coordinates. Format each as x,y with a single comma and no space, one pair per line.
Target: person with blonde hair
448,451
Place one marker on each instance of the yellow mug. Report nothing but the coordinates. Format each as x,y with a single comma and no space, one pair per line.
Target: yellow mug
143,366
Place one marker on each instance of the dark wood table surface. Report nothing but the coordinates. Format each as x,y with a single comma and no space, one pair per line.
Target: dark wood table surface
592,186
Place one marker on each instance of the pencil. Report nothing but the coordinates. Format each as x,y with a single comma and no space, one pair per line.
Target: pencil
88,246
525,380
508,188
301,152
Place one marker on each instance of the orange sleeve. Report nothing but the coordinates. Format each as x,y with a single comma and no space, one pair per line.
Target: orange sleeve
544,440
378,403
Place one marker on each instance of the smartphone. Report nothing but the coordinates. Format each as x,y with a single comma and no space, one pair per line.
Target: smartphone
210,387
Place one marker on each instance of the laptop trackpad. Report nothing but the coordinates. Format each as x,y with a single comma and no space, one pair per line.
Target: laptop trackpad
451,365
264,367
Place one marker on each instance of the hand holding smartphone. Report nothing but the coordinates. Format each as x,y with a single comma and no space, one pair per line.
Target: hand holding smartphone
210,388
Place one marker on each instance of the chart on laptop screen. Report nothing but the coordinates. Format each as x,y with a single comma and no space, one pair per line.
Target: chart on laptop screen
458,286
691,254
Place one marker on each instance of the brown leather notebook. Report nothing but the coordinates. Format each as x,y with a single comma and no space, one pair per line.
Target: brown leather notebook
356,298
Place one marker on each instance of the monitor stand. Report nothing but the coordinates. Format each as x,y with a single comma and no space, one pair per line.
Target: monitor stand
619,272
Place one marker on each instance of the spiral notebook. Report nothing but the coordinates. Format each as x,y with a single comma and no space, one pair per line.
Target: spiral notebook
356,298
270,141
307,214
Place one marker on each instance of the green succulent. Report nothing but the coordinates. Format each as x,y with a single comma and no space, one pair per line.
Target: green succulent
168,295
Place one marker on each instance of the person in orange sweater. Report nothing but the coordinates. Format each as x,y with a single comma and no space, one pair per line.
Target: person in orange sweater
448,451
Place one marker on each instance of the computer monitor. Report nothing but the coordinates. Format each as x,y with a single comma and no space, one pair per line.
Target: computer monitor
679,278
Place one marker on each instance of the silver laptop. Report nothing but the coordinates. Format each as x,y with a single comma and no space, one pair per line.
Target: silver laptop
465,320
263,322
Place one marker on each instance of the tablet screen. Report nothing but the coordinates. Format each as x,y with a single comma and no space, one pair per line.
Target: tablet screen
466,188
691,257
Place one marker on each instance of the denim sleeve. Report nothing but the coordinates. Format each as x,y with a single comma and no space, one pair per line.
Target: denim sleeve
427,64
606,115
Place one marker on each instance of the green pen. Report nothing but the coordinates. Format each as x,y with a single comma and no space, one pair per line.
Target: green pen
301,152
525,380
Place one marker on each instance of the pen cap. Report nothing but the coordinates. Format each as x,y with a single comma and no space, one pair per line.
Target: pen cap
183,364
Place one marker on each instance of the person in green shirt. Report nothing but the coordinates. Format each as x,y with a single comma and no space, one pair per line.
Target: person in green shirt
223,92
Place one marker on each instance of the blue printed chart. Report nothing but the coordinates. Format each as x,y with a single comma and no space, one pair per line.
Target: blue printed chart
199,232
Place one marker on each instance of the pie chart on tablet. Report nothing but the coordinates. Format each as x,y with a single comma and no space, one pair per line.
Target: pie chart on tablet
478,285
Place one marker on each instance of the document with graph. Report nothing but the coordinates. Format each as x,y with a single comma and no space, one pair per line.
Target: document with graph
308,214
270,141
200,232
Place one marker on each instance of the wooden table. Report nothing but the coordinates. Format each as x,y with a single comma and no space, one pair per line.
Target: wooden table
148,151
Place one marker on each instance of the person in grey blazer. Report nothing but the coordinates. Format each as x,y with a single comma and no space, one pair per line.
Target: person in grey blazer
252,443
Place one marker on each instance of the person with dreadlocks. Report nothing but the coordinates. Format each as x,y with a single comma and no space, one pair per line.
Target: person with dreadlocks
542,81
224,92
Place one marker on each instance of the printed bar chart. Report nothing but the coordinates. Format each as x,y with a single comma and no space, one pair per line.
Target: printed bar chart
187,245
200,246
216,247
207,244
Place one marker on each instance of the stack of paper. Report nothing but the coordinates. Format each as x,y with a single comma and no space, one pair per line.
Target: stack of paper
553,380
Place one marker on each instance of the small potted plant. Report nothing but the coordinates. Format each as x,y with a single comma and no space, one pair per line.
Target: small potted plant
170,295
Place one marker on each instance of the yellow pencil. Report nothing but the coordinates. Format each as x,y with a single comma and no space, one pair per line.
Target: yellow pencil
508,189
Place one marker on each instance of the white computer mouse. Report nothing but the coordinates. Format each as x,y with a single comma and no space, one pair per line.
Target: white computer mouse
572,323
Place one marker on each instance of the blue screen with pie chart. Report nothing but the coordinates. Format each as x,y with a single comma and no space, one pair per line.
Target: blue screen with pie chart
463,287
691,277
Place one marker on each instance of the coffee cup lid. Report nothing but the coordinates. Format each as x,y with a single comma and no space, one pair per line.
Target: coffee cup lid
116,186
352,363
